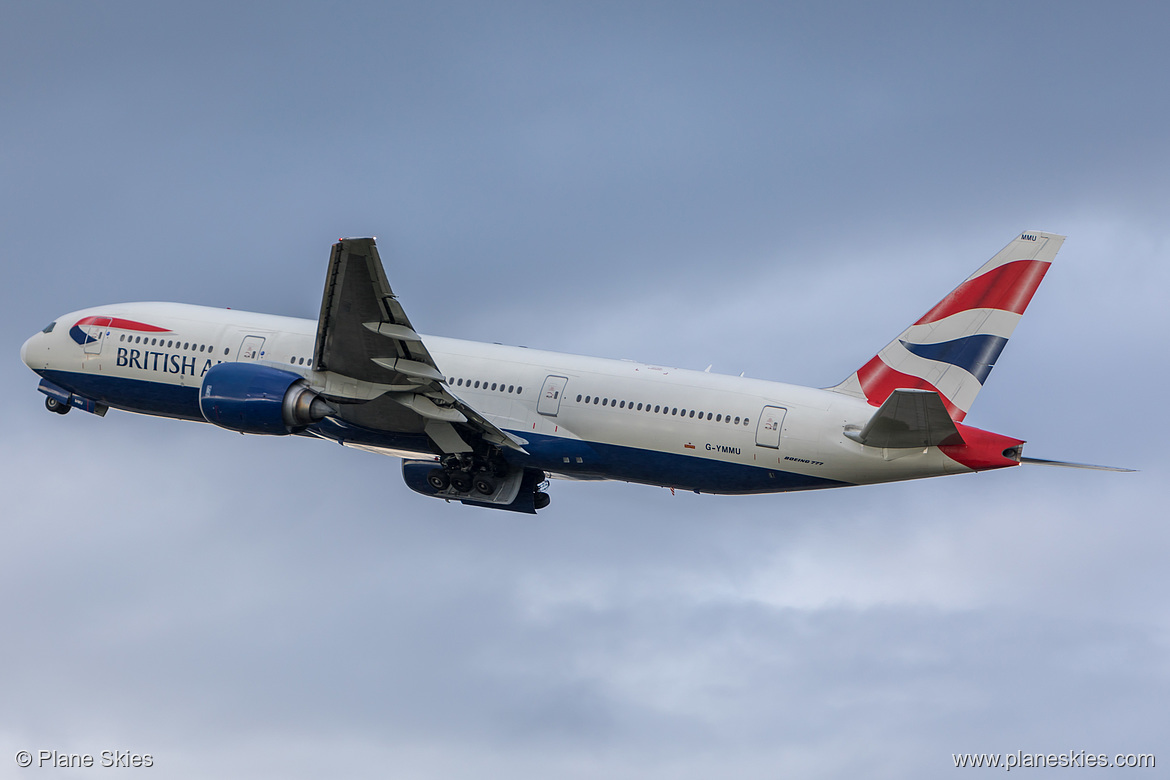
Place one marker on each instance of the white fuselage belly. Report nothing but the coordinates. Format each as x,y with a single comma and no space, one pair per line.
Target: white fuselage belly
156,372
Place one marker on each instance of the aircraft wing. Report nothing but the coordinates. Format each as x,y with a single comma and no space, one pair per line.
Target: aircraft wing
364,335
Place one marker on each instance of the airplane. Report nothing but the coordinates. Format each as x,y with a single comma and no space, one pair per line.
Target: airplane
489,424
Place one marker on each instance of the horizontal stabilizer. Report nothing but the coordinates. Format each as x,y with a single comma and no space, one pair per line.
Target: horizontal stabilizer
1068,465
909,418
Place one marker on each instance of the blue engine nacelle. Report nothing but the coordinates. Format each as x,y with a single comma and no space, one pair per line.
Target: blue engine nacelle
252,398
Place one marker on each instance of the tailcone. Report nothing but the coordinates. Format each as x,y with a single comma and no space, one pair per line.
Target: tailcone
982,450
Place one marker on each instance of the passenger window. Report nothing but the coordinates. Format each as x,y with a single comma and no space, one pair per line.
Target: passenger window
639,407
493,385
656,408
512,387
578,398
519,390
737,421
745,421
477,384
692,413
605,402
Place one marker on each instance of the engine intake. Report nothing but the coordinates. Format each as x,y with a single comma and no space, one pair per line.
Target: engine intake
251,398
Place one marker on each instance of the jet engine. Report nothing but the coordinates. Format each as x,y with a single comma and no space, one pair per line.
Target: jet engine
251,398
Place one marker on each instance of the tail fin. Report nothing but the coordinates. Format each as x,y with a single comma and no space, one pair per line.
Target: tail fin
954,346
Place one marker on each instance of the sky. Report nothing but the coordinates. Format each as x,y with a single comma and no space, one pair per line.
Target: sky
775,189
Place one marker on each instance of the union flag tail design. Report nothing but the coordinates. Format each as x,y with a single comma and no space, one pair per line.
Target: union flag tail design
954,346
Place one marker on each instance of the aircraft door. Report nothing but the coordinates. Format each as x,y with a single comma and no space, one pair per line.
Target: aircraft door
97,335
769,427
550,395
252,348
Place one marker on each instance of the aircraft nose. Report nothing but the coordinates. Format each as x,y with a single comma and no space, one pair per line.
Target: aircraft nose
30,350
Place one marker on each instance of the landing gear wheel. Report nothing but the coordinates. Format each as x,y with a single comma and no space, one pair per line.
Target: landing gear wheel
55,406
438,479
541,500
484,485
461,481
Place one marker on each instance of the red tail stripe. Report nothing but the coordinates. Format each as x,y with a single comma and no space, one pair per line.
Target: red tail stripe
120,324
1009,287
878,380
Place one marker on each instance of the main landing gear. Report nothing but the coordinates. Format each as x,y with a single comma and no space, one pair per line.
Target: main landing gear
482,477
55,405
469,474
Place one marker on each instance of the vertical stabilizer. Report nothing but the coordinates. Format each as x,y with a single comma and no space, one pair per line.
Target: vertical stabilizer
953,347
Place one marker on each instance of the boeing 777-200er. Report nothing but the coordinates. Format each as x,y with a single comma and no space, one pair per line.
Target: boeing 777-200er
486,424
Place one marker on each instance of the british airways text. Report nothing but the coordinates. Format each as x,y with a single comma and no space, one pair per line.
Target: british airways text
167,363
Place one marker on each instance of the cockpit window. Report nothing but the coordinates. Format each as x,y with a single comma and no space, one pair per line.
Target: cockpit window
49,328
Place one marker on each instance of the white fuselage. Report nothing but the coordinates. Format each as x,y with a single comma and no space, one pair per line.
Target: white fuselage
609,419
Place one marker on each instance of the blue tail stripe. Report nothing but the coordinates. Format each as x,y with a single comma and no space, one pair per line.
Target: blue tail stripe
974,354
